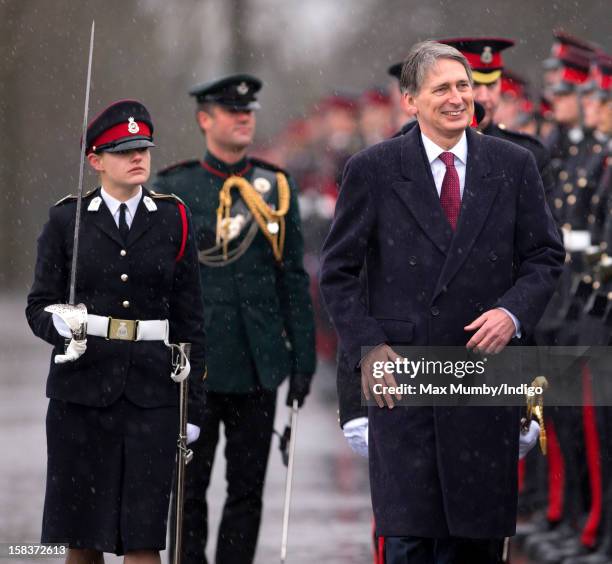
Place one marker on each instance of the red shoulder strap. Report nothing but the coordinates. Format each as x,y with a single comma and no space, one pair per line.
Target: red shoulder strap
183,213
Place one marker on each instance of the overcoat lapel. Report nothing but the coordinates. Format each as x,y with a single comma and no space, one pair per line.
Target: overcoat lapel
418,192
478,196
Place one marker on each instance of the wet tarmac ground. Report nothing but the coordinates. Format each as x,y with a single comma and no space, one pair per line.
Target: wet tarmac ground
331,513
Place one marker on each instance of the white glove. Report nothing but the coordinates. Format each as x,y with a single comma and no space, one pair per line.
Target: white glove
75,350
61,326
356,433
193,433
529,439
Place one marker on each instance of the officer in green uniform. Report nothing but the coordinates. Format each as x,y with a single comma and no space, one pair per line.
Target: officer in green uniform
258,312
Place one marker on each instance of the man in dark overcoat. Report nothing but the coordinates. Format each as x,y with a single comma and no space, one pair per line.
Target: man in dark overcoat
459,249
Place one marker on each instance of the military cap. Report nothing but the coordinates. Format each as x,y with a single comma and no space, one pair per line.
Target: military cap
575,63
483,54
513,84
124,125
235,91
395,70
375,96
338,100
566,44
604,75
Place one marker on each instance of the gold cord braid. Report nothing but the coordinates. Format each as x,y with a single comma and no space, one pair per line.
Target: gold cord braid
262,213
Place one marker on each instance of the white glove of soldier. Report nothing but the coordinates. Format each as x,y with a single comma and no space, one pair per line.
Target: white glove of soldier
356,433
70,321
75,350
193,433
529,439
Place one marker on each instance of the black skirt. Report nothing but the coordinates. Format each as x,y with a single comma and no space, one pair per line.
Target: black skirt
109,475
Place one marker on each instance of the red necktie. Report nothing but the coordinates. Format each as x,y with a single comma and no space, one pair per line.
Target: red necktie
450,195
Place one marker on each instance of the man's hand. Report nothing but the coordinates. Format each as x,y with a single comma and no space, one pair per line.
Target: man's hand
494,329
381,354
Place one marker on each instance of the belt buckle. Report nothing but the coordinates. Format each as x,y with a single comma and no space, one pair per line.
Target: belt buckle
122,329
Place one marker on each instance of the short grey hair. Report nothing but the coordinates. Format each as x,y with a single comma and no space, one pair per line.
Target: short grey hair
422,57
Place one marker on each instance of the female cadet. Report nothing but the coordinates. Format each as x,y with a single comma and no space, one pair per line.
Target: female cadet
112,420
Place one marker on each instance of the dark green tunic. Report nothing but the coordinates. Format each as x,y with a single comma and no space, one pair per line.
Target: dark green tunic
258,313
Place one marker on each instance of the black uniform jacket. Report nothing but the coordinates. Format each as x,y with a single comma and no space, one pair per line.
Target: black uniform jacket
156,286
436,471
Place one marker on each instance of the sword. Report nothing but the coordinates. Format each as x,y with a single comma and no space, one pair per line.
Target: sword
289,482
75,316
77,223
183,457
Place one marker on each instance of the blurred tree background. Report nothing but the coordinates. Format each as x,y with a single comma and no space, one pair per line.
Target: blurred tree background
154,50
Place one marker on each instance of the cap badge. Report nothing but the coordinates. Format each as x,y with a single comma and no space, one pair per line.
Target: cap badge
242,88
133,126
262,185
487,55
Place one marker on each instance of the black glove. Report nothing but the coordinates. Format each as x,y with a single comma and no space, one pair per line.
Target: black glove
299,388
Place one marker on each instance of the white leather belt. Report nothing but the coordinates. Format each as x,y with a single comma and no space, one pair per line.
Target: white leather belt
127,329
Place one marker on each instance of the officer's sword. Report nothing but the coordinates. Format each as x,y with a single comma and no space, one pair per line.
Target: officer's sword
77,223
183,457
289,483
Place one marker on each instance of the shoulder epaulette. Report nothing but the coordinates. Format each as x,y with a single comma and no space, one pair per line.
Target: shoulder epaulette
172,197
265,164
182,164
72,197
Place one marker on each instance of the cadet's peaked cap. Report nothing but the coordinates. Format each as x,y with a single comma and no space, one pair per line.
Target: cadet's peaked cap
124,125
483,54
236,91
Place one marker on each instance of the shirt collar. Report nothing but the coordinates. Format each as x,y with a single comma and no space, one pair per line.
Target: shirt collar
217,165
433,151
113,204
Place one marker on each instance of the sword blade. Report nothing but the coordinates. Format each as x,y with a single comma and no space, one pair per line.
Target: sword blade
289,483
77,223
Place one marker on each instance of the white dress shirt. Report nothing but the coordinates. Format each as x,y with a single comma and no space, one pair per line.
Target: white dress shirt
438,170
113,205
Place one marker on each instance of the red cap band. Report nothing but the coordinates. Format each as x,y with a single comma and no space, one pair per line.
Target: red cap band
121,131
509,86
574,76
